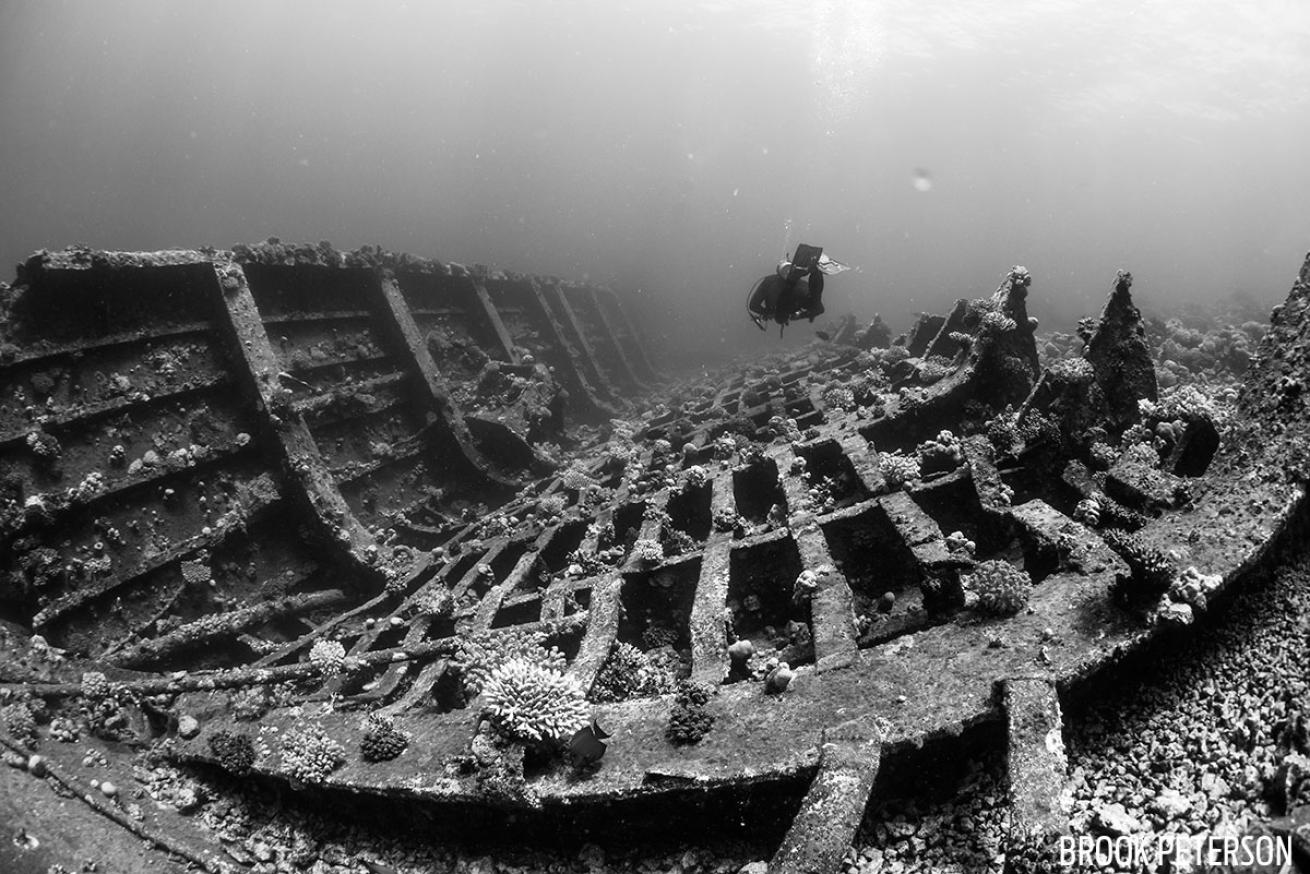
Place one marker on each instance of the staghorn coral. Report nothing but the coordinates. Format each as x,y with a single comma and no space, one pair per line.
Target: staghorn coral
529,702
1001,589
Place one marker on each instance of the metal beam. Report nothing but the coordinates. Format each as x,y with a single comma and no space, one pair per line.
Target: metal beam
588,354
257,367
404,333
612,337
834,806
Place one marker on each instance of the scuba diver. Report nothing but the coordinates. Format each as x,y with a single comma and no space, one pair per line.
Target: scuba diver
794,290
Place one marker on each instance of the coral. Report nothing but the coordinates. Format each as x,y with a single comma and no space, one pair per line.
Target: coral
784,427
18,721
45,447
933,369
957,542
1101,455
898,469
1001,589
997,323
576,479
91,485
1186,402
196,573
250,703
1088,512
382,741
648,550
329,656
726,520
1072,371
807,583
95,686
529,702
436,602
838,397
552,505
725,447
778,679
690,720
309,755
630,673
695,477
64,730
1140,453
675,541
1151,570
1116,515
234,751
939,454
480,654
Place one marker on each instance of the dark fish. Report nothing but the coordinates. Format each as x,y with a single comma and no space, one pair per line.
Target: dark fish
823,335
587,743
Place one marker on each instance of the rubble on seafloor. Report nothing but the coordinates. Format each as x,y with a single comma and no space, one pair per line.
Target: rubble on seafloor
312,558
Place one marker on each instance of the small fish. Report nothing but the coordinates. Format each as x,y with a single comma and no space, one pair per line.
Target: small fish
823,335
587,744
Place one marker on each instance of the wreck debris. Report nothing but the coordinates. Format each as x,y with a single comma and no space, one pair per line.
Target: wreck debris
816,529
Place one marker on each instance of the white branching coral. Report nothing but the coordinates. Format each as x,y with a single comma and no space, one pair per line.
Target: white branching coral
481,653
329,656
527,701
309,755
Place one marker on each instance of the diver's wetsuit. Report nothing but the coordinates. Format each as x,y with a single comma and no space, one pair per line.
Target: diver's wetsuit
776,298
